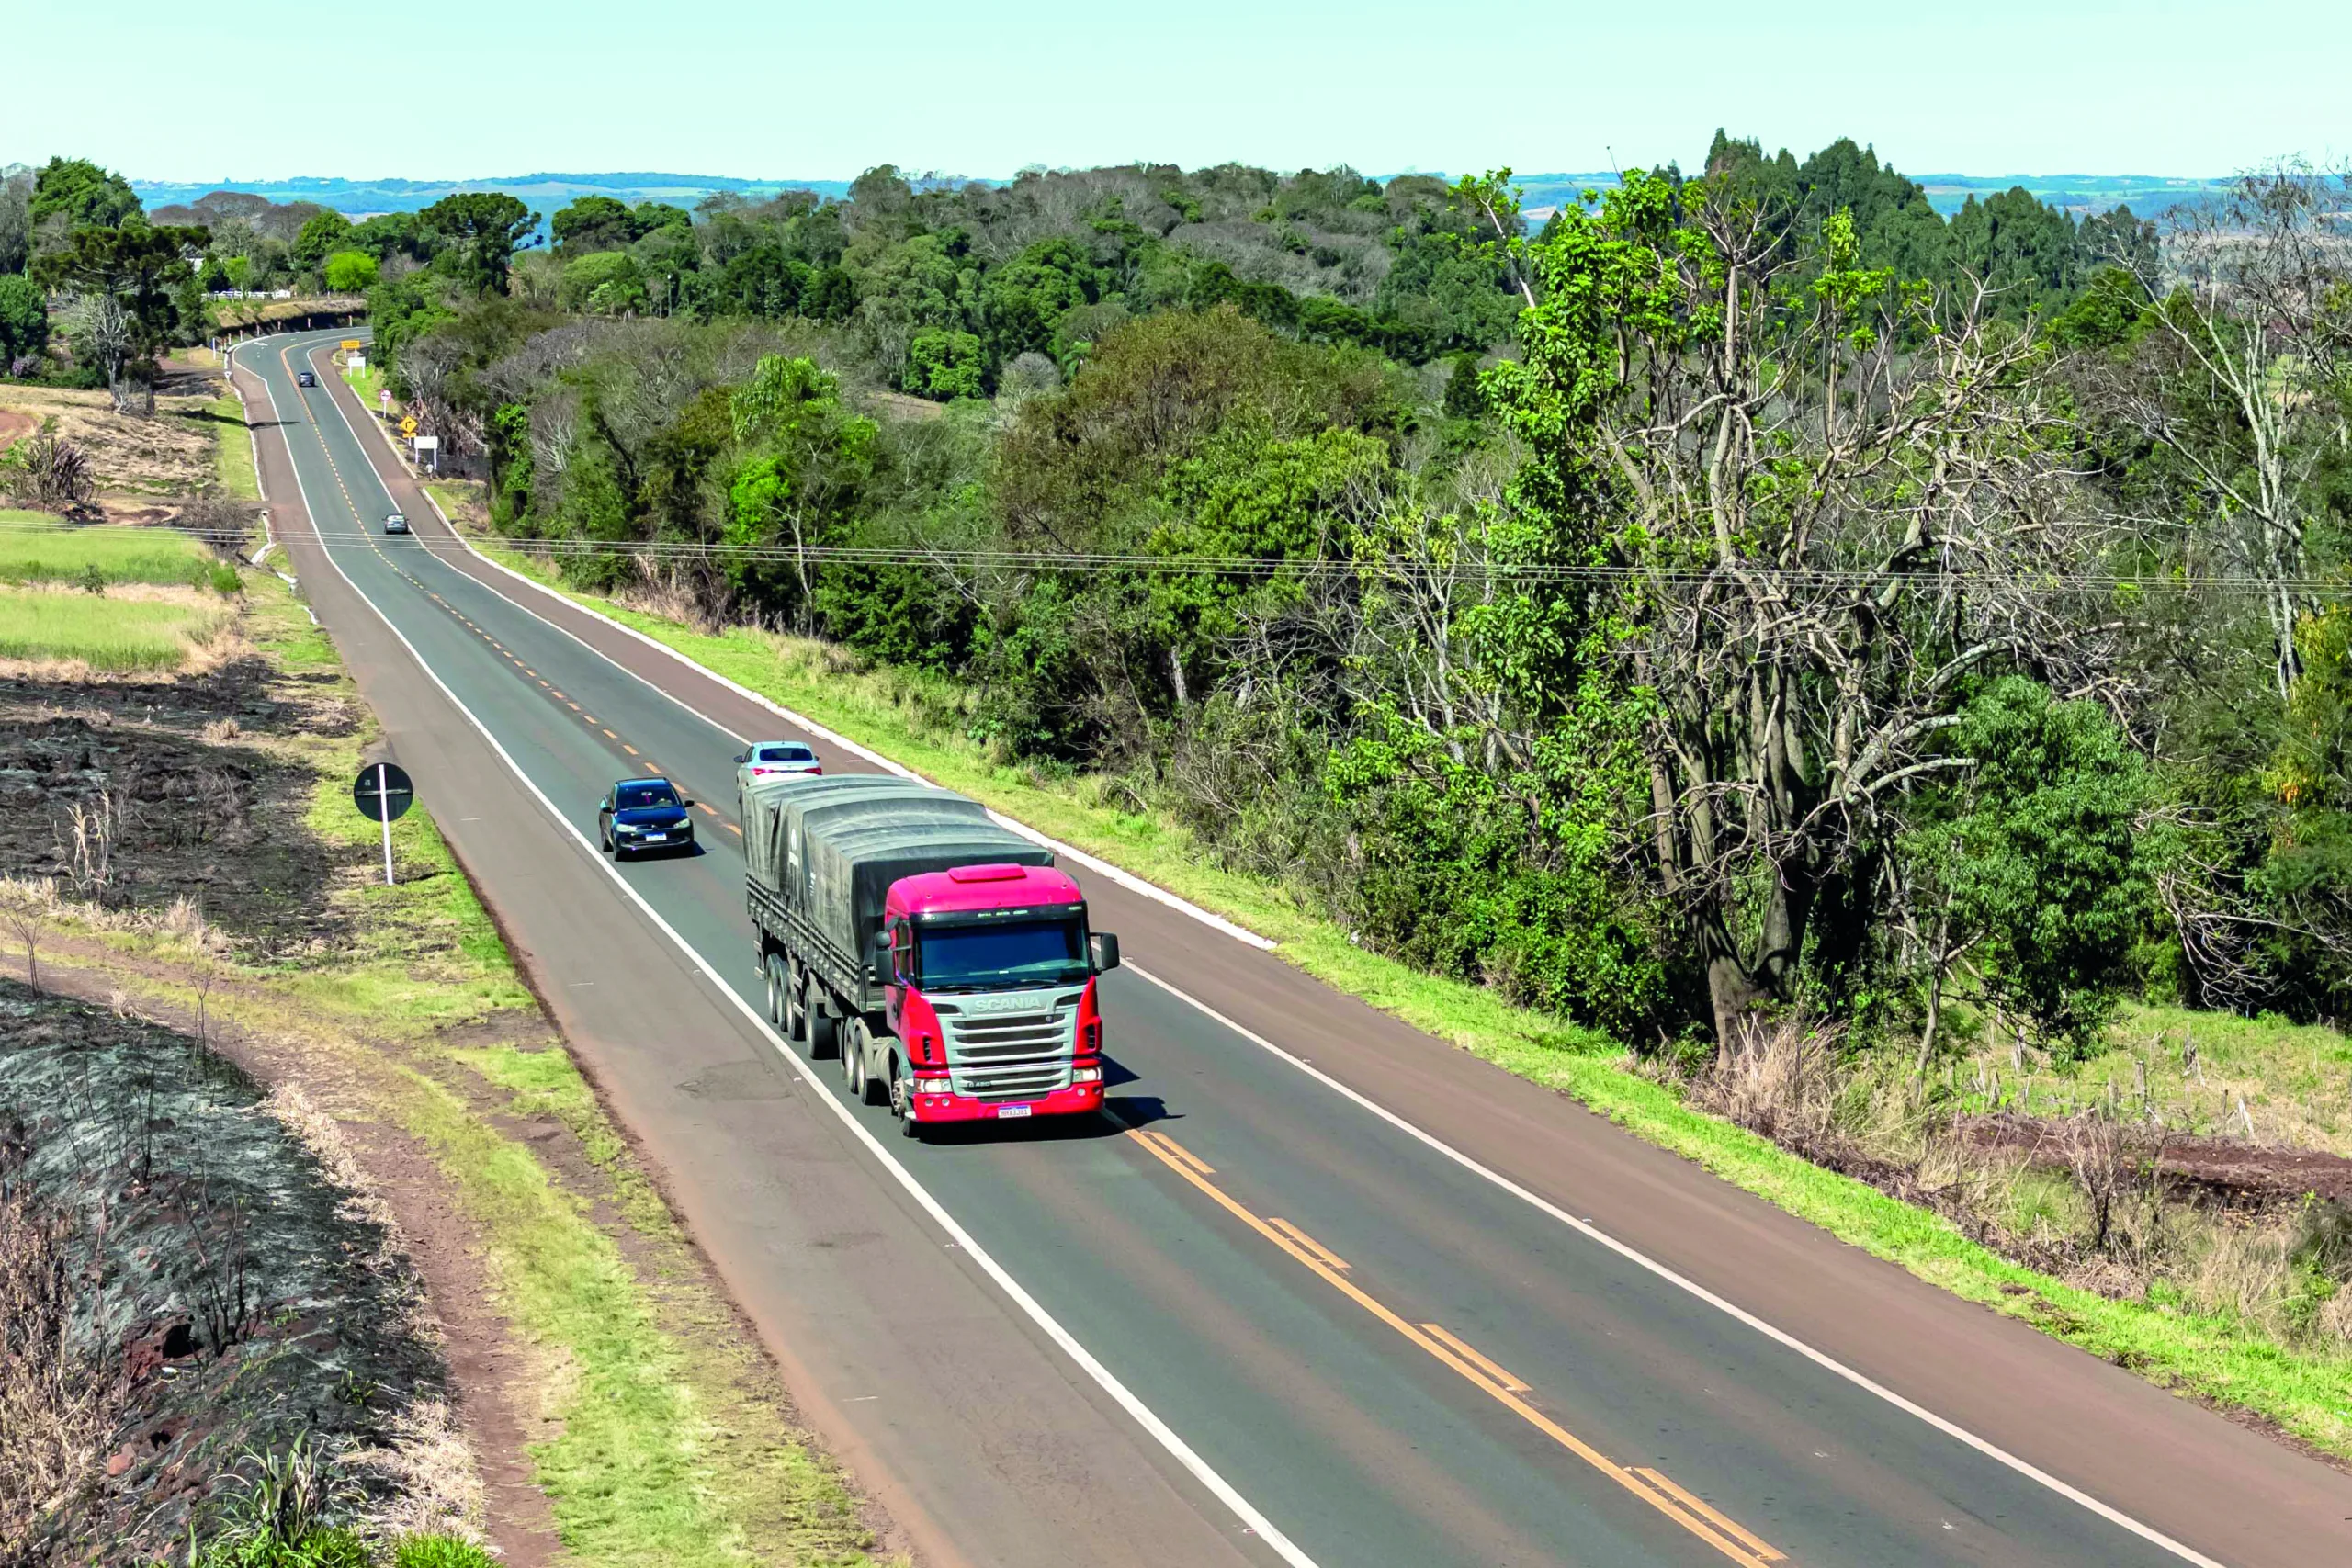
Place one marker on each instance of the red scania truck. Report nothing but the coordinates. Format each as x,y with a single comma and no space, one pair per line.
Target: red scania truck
945,958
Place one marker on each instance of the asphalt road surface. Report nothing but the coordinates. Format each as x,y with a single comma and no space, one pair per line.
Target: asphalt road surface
1317,1289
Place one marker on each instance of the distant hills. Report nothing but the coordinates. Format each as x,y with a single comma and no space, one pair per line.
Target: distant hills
545,193
2146,195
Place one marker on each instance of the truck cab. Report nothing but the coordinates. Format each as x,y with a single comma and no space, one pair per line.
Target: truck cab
988,995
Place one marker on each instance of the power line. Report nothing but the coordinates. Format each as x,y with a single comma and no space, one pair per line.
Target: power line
1103,563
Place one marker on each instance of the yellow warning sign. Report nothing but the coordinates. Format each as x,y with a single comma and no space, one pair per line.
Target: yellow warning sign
350,345
408,425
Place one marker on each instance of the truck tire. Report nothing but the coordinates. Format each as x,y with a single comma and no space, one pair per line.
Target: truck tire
856,1044
779,1004
794,1022
902,1105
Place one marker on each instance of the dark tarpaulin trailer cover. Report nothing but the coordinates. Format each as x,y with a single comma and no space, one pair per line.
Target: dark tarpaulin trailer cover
831,847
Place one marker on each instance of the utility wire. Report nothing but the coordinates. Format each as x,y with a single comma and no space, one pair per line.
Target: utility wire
677,552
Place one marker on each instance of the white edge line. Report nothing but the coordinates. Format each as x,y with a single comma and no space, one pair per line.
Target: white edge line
1182,1451
1683,1282
1094,863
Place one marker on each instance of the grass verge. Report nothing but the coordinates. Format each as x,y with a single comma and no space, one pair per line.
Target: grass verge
2218,1358
232,459
662,1440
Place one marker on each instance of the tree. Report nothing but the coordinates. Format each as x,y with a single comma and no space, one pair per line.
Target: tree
810,458
593,223
2244,377
73,193
2029,872
350,272
944,365
1812,538
147,276
24,322
320,237
480,231
16,220
605,283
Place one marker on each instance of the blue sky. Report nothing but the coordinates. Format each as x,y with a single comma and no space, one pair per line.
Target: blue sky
447,89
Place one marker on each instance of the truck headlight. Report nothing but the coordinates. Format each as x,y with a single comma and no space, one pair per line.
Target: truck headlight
935,1086
1087,1075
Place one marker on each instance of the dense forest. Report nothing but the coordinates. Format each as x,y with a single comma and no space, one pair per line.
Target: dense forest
1739,589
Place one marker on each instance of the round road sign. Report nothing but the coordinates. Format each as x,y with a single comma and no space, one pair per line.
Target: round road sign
382,792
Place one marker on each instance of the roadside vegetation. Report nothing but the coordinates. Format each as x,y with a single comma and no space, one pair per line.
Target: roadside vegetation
1826,765
184,881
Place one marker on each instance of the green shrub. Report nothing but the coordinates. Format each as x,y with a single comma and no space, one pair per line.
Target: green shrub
318,1548
438,1551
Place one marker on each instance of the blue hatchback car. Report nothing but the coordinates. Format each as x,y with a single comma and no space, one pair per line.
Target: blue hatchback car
638,815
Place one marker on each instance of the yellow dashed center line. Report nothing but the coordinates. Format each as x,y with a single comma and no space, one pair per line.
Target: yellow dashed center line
1735,1541
335,468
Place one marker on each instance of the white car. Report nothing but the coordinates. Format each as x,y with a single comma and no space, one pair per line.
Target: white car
775,760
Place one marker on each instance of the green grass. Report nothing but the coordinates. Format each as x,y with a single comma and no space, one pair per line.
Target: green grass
233,459
39,549
113,636
913,719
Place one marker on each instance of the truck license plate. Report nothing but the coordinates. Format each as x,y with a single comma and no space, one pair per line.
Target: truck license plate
1009,1113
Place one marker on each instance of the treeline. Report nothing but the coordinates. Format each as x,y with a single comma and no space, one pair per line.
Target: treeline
1747,591
93,287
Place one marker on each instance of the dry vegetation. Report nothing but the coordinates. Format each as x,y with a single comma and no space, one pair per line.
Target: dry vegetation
2069,1173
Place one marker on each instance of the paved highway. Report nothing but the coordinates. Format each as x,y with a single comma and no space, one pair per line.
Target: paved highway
1317,1290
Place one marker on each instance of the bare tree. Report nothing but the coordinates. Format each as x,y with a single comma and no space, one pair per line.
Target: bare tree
23,910
2250,361
106,334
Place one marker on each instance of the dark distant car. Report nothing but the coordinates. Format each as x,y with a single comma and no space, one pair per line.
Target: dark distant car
305,378
395,523
639,815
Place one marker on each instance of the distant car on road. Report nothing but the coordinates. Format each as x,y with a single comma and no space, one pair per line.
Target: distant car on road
305,378
773,760
395,523
637,815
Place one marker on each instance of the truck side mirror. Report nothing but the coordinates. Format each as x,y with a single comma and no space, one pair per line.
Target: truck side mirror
878,951
1105,949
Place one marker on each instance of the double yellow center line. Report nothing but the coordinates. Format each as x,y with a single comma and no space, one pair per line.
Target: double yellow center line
1736,1541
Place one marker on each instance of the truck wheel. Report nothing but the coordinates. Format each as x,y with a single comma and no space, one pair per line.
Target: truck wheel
779,1008
902,1105
794,1022
853,1036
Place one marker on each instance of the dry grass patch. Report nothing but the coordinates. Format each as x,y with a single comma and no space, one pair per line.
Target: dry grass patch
166,457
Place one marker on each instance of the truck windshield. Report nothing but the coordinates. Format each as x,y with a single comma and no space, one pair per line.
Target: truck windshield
1035,953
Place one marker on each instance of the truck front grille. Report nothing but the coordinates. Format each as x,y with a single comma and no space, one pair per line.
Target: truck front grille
1031,1080
1007,1037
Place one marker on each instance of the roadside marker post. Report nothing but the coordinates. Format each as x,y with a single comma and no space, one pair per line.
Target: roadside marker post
382,793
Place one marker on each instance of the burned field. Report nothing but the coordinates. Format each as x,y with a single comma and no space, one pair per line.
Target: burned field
140,796
189,1287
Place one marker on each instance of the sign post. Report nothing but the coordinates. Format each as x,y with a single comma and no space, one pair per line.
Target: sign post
382,792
